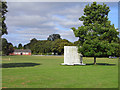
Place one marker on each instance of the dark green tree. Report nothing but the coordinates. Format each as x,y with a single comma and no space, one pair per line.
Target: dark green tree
3,11
77,43
41,47
58,45
34,40
118,49
53,37
20,46
97,36
31,44
6,47
26,47
10,48
15,47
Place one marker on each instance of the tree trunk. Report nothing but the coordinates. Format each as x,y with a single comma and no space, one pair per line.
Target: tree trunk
94,60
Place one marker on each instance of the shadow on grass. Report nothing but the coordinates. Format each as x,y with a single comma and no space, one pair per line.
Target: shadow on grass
105,64
13,65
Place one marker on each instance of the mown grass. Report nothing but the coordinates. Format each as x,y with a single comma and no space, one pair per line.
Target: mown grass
46,72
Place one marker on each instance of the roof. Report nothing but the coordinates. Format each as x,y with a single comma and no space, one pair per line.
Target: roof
22,50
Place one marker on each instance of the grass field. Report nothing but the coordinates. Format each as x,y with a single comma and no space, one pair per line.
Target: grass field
46,72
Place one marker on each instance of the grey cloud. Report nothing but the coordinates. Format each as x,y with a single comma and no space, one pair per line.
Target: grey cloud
38,31
25,20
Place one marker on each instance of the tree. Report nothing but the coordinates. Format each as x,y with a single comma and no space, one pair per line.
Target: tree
76,43
3,11
34,40
97,36
6,47
53,37
15,47
31,44
10,48
58,45
48,46
26,47
3,28
41,47
20,46
118,49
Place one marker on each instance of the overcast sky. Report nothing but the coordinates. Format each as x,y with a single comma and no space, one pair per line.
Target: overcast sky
27,20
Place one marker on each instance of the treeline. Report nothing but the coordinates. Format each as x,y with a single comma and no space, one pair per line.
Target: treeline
7,47
47,47
53,45
44,47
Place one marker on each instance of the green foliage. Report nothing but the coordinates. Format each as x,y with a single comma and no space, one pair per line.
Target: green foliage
95,13
96,48
53,37
118,49
58,45
41,47
6,47
15,47
46,47
97,36
20,46
81,32
10,48
31,44
3,11
77,43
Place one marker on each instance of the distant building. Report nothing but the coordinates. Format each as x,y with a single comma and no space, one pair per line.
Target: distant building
21,52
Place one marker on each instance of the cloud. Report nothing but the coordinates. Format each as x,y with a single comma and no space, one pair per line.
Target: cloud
25,20
37,31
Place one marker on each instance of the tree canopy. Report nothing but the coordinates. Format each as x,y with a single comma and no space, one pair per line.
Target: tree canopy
6,47
97,36
3,11
20,46
53,37
54,45
58,45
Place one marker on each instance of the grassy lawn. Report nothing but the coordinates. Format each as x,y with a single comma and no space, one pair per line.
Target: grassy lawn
46,72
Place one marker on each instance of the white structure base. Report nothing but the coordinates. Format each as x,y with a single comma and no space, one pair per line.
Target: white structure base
71,56
72,64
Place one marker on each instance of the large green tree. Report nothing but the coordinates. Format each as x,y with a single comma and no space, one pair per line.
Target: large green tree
31,44
6,47
58,45
3,28
53,37
118,49
41,47
20,46
97,36
3,11
10,48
